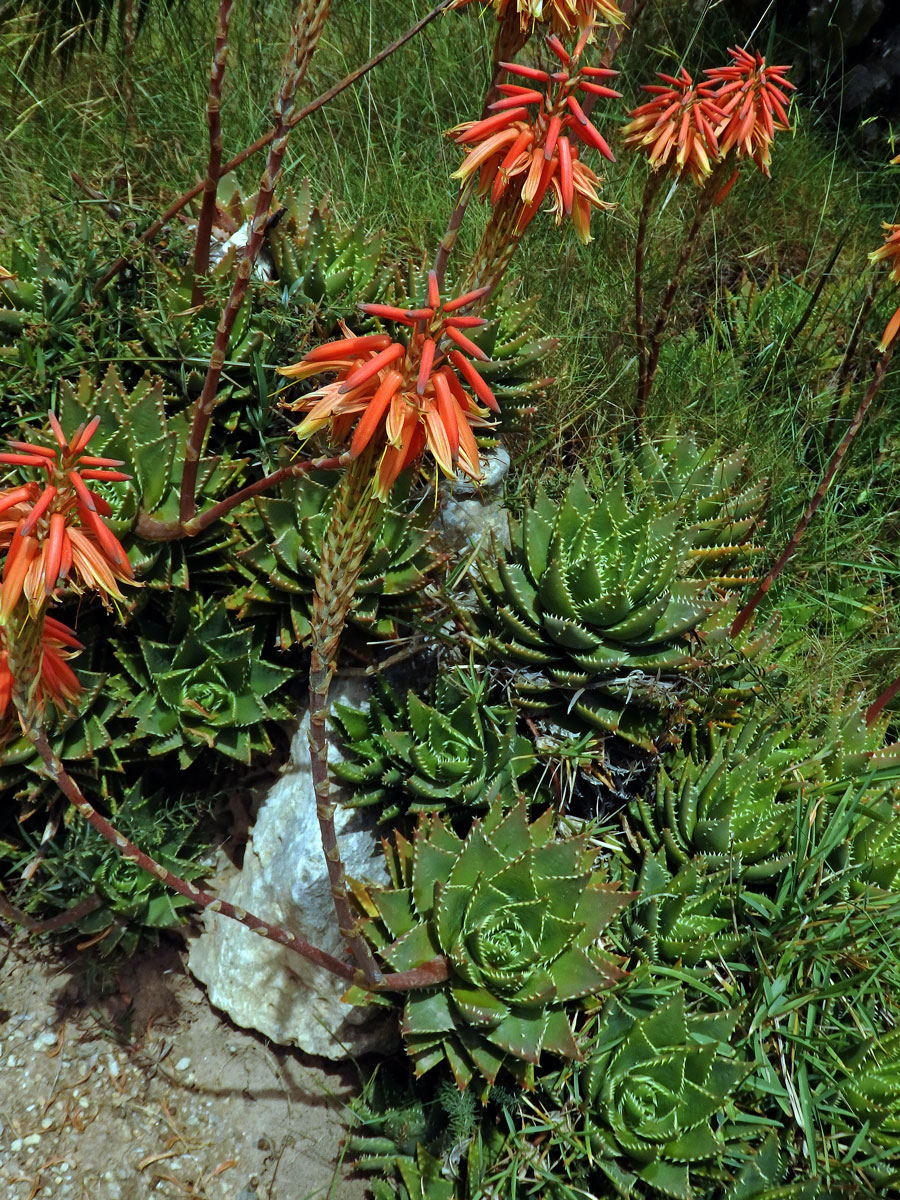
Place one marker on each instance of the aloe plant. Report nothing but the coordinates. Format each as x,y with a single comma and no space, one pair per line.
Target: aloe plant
679,917
322,271
283,536
656,1089
729,796
871,1087
593,604
403,753
201,683
517,916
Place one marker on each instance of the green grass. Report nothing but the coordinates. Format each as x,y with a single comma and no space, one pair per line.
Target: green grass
379,155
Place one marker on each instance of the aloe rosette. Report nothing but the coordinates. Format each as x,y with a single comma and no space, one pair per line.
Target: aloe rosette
594,603
403,753
679,916
202,684
729,797
282,542
656,1089
516,915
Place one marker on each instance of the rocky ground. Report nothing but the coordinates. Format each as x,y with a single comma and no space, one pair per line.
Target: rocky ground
129,1085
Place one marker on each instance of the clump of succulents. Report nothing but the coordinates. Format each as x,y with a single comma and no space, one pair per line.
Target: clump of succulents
728,797
656,1089
322,271
679,916
719,500
283,537
871,1087
202,684
517,916
309,276
403,753
599,609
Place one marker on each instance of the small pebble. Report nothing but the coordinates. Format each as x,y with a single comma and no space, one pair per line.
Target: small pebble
16,1145
182,1064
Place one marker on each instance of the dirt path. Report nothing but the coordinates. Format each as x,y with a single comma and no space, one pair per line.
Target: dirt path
142,1090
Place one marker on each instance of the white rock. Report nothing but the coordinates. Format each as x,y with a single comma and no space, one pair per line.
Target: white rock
267,987
468,518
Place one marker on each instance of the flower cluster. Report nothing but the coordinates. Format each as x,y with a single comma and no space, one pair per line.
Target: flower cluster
55,534
55,680
522,155
890,252
682,118
736,109
407,394
565,16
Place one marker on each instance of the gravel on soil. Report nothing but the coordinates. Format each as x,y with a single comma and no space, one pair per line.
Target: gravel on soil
140,1089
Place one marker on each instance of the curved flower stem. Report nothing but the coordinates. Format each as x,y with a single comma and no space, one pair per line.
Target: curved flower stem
705,202
847,361
651,187
165,531
858,417
214,164
314,105
351,531
304,38
82,909
426,975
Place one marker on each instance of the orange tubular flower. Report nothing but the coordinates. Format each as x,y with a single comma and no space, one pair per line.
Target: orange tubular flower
56,533
56,681
890,252
752,96
520,156
407,394
681,118
565,16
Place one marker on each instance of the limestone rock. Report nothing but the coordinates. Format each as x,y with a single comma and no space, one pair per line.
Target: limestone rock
260,984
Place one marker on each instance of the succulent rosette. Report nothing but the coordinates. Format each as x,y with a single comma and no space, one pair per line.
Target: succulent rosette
594,601
404,753
655,1090
516,915
872,1087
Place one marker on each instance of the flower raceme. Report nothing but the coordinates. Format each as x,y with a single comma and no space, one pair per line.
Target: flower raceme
55,681
522,155
689,127
752,96
406,393
890,253
565,16
682,118
55,534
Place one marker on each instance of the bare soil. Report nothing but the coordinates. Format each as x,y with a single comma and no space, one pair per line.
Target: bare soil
129,1085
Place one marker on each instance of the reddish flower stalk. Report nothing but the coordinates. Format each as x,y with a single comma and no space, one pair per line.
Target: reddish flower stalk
425,976
304,39
260,144
821,491
214,164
